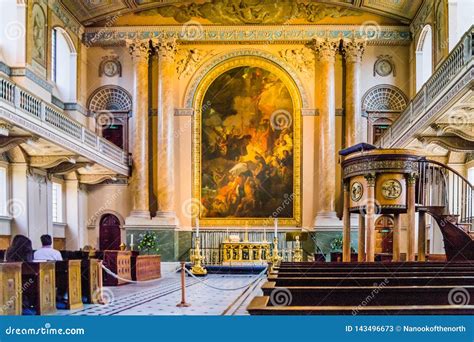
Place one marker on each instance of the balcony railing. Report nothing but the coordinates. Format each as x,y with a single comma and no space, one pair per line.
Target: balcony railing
456,64
46,115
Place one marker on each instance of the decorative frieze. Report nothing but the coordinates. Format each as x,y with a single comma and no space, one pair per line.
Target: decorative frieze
384,35
188,60
301,59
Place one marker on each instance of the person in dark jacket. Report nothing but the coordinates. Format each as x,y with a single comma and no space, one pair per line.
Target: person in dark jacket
20,250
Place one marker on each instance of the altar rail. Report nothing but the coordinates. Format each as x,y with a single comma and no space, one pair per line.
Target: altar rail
32,112
458,64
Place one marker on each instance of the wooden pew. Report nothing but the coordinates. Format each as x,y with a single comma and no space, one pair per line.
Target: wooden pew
39,288
355,295
261,306
10,288
145,267
119,262
368,281
69,287
91,280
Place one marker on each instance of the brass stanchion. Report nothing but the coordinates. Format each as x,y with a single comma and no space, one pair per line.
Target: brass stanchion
183,303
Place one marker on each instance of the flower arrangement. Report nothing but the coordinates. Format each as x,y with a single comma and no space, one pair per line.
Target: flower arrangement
148,243
336,244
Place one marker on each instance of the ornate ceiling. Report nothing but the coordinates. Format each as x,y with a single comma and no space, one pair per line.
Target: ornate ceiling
96,12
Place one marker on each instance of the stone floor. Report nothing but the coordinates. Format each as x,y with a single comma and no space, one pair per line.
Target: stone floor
160,297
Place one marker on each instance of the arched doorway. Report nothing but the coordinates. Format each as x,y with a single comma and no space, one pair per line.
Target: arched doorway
109,233
384,235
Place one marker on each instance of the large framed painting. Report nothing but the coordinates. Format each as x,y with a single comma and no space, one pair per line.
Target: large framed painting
247,145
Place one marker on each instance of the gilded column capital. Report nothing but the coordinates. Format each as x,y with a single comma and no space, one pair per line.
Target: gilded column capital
353,49
370,178
138,49
411,179
165,48
325,49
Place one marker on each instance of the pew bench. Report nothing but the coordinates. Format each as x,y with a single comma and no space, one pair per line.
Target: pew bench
69,287
39,288
91,272
260,305
10,288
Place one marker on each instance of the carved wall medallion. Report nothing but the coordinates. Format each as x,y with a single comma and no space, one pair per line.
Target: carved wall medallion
384,66
110,66
357,191
391,189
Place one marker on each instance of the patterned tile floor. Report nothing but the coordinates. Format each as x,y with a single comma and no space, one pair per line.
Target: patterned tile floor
161,296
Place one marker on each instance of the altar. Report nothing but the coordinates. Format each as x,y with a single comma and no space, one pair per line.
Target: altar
245,253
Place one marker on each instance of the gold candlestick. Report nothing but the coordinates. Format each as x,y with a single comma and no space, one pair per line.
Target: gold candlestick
275,258
196,259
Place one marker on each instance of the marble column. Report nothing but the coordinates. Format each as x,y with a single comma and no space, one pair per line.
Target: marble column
361,244
346,251
370,217
166,50
353,51
396,237
411,182
325,50
140,52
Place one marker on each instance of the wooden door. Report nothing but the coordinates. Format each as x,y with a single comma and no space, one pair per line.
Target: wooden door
384,235
109,235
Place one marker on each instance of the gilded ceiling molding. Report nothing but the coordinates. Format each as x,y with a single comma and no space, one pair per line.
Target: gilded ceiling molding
68,20
258,12
199,76
381,35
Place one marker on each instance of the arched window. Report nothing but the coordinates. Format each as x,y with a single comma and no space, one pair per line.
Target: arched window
424,57
382,105
111,106
63,64
460,19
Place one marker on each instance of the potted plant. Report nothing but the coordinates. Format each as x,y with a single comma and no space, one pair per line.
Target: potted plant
148,243
336,246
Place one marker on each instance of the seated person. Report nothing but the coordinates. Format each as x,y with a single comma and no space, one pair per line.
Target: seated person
20,249
47,252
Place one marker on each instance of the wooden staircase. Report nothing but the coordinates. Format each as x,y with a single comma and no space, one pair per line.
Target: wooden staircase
448,197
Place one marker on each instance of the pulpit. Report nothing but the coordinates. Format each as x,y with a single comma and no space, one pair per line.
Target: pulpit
379,181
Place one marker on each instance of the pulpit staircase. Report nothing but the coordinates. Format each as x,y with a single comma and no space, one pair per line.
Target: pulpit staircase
448,197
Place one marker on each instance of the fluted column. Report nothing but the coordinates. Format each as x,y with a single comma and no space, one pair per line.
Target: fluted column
166,50
325,50
370,217
353,51
346,251
396,237
140,52
411,182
